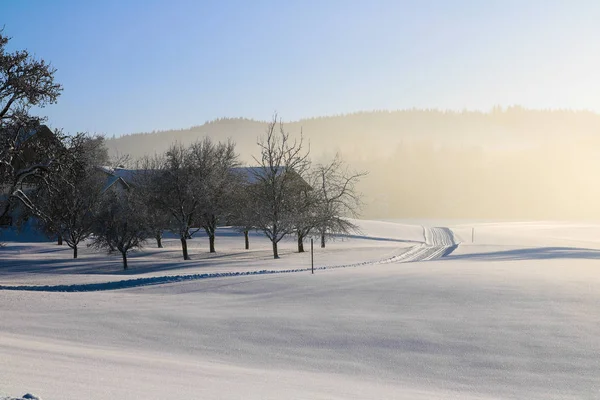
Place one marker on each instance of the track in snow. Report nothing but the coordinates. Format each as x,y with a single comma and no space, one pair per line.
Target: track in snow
439,242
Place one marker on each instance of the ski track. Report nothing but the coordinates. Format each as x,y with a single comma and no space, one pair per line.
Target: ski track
439,242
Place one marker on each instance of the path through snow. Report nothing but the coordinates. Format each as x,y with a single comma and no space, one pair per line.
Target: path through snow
439,242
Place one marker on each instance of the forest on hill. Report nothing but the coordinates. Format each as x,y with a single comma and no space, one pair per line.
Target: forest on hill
508,163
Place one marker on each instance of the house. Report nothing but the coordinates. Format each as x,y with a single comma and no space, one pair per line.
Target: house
124,178
31,147
116,178
26,149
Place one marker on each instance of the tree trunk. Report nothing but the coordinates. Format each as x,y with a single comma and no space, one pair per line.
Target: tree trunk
124,254
300,243
246,240
211,243
322,239
60,240
159,240
75,251
275,253
184,248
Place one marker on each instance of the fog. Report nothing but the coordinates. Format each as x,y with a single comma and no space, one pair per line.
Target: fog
508,163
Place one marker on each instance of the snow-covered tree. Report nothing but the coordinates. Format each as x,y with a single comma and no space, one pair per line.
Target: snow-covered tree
67,203
25,82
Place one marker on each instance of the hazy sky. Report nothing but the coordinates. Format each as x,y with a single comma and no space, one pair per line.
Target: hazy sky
131,66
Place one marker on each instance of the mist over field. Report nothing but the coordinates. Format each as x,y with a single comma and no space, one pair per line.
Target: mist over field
508,163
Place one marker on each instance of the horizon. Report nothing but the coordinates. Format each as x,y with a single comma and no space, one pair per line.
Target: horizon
145,66
490,111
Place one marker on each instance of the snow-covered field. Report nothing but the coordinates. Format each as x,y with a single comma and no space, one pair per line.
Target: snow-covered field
513,314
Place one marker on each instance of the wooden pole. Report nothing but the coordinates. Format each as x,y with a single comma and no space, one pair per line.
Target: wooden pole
472,235
312,260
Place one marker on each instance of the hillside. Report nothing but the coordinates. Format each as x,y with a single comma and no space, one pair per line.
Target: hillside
506,163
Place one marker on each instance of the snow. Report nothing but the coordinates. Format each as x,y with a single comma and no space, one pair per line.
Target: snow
503,317
439,242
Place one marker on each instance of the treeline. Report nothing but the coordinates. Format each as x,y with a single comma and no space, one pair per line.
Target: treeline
380,132
506,163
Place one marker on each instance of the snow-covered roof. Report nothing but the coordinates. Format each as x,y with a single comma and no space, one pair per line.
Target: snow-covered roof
252,174
124,173
113,177
40,131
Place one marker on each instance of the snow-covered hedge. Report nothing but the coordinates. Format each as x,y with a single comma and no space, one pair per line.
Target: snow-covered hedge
27,396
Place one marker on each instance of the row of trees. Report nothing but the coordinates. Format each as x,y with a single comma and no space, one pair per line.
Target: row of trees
55,178
187,189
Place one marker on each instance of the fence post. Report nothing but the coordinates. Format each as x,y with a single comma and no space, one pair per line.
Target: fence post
312,263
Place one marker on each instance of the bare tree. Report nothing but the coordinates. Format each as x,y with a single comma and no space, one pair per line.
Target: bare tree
277,181
241,215
306,215
181,193
80,206
120,224
120,160
146,181
195,186
335,187
67,203
213,163
25,82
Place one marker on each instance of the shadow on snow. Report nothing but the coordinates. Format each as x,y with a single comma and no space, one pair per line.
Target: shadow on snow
538,253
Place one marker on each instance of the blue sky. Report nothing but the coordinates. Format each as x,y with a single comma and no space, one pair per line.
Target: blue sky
135,66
